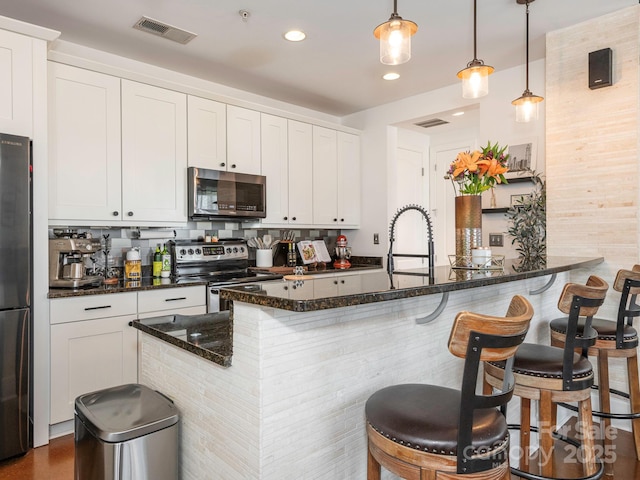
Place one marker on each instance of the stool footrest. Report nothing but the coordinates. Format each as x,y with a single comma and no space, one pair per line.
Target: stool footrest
599,414
533,476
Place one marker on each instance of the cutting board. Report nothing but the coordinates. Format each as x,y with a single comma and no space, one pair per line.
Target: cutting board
282,270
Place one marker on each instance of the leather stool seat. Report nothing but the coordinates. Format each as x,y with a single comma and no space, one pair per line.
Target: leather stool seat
606,330
546,362
425,417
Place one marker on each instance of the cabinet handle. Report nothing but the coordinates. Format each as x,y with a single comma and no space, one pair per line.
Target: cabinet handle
233,165
286,218
335,219
293,218
342,219
116,213
130,214
222,164
97,308
174,299
335,282
342,281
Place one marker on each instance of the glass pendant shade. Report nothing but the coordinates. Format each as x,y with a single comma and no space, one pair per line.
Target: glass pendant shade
395,40
475,79
527,107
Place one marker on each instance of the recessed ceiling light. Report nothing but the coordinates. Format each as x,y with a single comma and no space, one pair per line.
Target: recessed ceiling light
295,35
457,114
391,76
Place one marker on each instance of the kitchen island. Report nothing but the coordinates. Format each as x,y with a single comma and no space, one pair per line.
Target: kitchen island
306,355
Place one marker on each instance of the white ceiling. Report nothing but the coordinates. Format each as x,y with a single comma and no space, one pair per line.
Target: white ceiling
336,69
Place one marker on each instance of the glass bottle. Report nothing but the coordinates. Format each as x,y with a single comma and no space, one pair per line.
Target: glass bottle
166,263
157,262
291,256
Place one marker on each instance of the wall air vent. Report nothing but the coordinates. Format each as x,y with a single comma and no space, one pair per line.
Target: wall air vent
164,30
433,122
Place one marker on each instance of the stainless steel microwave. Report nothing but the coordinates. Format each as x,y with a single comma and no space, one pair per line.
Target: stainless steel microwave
219,194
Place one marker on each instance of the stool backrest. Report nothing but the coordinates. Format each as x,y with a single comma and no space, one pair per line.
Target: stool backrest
580,301
628,283
476,338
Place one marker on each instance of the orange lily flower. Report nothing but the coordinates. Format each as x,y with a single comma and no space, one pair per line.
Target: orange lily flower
466,161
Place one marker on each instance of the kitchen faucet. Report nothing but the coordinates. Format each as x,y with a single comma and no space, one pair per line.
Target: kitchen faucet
392,227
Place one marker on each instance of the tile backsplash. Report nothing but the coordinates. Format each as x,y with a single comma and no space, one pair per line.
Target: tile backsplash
122,239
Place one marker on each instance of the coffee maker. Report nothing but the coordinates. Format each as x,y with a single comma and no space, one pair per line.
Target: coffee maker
66,262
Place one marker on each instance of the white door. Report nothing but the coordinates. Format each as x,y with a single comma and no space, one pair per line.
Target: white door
411,228
275,166
243,140
325,176
300,173
16,84
443,200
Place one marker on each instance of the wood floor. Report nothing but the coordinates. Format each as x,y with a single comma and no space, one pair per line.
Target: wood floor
55,462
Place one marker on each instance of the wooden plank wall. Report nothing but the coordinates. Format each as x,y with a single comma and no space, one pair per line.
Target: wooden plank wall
592,143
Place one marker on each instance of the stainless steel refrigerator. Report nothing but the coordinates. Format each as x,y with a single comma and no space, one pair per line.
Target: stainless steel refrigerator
15,295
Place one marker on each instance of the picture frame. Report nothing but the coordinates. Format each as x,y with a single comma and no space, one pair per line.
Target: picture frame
516,200
522,157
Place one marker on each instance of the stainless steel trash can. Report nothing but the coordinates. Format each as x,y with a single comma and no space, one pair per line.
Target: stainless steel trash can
129,432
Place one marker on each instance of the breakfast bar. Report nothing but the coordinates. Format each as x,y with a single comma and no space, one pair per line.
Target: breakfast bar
307,353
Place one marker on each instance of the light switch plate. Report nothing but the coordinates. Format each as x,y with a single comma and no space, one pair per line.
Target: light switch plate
496,240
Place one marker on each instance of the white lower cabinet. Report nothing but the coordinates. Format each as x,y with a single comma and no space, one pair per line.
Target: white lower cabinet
172,301
92,347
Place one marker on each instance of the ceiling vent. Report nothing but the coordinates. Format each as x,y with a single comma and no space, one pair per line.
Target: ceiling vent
434,122
164,30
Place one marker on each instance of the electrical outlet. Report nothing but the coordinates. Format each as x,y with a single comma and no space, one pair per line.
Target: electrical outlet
376,239
496,240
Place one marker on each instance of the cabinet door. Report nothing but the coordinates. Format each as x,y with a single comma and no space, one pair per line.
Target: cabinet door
171,300
243,140
207,133
154,154
84,145
87,356
275,158
300,173
349,178
325,176
16,84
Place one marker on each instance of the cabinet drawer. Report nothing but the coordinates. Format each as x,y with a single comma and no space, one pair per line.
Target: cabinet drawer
63,310
171,298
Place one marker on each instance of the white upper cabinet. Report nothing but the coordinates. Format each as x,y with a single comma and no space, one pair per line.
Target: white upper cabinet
349,178
325,176
336,178
154,154
300,173
243,141
16,84
84,145
207,133
275,159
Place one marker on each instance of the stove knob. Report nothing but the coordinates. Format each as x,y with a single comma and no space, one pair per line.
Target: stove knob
198,251
228,249
242,249
183,251
235,249
191,251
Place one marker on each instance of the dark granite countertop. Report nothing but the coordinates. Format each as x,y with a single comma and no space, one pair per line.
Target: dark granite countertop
208,335
147,283
355,289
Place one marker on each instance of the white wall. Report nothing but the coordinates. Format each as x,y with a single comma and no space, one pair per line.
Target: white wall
496,123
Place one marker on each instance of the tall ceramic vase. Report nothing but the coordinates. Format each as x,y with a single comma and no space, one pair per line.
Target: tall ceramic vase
468,227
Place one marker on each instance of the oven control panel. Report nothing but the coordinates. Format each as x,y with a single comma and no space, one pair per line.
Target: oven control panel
211,252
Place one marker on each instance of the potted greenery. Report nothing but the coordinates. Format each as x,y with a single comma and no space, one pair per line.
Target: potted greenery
527,220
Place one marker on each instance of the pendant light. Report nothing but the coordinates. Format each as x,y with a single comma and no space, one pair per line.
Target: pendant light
475,78
527,104
395,38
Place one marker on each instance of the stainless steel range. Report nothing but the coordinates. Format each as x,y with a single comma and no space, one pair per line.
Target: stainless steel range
222,263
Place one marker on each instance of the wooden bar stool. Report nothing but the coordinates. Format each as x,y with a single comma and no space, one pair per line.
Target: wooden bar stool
430,432
615,339
554,375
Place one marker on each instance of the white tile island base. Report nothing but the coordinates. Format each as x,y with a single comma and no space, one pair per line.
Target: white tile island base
291,406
